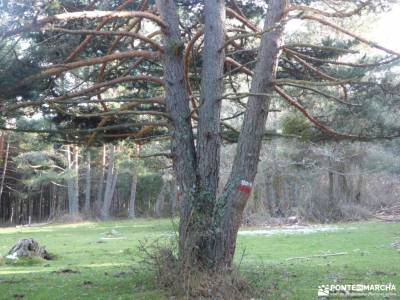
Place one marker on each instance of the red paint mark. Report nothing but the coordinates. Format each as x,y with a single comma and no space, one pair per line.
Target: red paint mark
244,189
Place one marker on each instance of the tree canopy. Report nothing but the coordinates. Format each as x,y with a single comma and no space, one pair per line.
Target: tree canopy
94,71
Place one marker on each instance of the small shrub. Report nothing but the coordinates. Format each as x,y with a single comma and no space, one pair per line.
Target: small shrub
353,212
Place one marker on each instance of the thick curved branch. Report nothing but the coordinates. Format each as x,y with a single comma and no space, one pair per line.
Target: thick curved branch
88,38
154,100
233,14
325,95
239,67
90,130
100,88
334,62
57,69
143,38
236,8
319,47
95,14
320,73
186,61
317,124
336,14
119,112
345,31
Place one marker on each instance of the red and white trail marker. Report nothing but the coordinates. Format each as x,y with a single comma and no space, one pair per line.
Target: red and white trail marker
245,187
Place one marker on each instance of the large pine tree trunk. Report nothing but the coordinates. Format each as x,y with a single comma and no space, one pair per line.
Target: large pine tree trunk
209,224
200,230
230,205
177,105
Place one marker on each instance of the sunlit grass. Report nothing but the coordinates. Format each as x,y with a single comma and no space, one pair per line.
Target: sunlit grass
113,268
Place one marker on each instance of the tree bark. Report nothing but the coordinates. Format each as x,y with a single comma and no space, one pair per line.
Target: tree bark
100,184
3,175
213,246
111,180
182,140
208,133
359,184
88,186
343,190
159,207
73,182
132,197
212,88
229,209
174,198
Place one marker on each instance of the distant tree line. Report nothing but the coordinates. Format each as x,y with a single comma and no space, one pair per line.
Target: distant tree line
43,182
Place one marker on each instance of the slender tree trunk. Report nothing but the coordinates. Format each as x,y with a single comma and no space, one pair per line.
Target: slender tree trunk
88,187
76,180
110,185
159,206
344,190
359,184
13,208
132,196
29,210
41,203
53,199
73,183
273,173
100,184
70,180
3,175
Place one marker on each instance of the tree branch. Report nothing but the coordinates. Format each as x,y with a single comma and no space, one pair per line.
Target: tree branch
94,14
145,39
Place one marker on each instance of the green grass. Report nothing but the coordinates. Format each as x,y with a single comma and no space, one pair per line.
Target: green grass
89,267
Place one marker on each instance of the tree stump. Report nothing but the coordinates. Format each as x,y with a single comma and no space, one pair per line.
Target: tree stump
28,248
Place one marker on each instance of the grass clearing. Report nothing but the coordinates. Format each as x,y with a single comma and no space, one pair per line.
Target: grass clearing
102,260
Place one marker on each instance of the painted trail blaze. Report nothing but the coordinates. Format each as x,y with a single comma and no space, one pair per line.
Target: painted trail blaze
244,187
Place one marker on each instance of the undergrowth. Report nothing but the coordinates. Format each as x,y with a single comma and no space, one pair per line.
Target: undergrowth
161,256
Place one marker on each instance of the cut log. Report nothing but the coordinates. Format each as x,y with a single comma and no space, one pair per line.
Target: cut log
28,248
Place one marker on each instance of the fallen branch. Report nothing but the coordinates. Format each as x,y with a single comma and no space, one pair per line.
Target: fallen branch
317,256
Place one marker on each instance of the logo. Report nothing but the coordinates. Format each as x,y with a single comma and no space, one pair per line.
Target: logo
355,290
323,291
